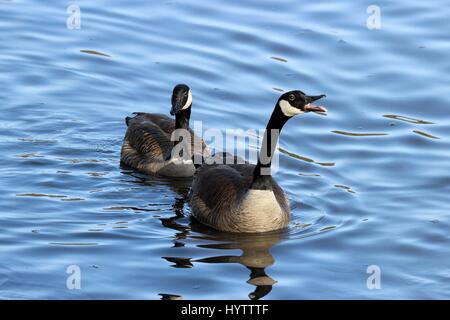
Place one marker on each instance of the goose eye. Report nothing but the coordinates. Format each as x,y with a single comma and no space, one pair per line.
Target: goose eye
291,97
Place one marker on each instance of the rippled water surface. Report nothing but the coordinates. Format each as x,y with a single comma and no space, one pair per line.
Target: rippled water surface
369,183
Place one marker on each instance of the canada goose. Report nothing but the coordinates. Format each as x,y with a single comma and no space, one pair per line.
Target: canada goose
244,197
147,145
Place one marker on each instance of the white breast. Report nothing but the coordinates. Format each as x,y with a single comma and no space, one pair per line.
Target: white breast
259,212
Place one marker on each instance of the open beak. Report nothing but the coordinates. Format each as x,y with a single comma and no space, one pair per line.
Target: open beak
311,107
176,107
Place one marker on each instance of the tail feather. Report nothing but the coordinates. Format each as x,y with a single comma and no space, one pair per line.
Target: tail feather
134,114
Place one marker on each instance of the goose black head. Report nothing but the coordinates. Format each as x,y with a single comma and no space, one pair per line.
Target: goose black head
181,98
296,102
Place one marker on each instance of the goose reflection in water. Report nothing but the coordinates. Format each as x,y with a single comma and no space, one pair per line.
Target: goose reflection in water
255,248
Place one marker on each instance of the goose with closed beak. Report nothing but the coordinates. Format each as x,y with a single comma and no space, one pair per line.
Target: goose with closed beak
244,198
148,145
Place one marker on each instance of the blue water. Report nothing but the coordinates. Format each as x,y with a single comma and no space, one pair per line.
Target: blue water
358,200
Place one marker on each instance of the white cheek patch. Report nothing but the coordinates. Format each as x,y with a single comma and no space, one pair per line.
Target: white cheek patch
288,109
188,102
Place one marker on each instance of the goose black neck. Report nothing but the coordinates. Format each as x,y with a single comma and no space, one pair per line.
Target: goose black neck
181,122
182,119
261,175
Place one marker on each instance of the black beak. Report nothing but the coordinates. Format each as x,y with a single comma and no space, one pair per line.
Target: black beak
310,99
176,107
310,107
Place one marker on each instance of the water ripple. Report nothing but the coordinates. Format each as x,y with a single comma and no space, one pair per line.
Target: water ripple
368,183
